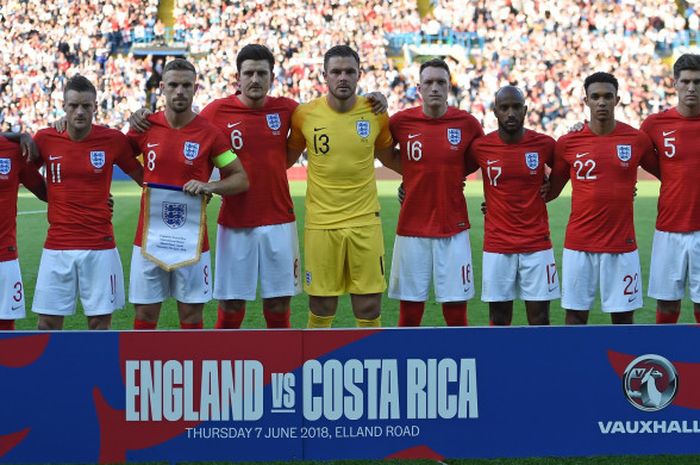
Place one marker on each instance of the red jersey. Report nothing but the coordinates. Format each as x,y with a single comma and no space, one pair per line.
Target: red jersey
603,173
175,156
78,179
677,142
516,221
433,160
259,138
13,170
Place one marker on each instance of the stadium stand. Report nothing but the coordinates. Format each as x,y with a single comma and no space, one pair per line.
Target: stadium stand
543,46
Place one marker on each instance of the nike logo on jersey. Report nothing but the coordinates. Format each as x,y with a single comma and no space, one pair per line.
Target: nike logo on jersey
54,157
411,136
319,129
16,307
152,145
668,133
491,162
579,155
232,125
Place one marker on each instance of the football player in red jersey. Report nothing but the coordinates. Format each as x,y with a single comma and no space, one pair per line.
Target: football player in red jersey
80,255
166,161
600,250
14,169
675,254
518,259
257,232
433,229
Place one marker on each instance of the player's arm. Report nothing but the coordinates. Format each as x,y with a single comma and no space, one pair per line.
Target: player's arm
29,149
560,173
139,120
234,179
296,142
390,157
378,102
33,181
126,160
650,159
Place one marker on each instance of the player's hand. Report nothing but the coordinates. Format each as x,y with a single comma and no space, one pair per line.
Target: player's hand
577,127
545,187
194,187
483,207
30,151
401,193
110,203
60,124
139,119
378,102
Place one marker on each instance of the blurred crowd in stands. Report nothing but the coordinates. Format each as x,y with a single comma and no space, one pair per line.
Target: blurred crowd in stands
546,47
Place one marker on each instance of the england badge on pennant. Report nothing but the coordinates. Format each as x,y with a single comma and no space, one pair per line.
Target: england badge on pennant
174,214
454,136
363,128
191,150
624,152
5,166
97,158
532,160
273,121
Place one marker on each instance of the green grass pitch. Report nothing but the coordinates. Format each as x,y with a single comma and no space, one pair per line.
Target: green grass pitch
31,232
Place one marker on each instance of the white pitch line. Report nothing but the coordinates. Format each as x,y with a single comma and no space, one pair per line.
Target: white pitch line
31,212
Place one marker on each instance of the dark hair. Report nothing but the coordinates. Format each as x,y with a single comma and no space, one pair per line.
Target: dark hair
179,64
80,83
434,63
340,51
254,52
687,61
600,77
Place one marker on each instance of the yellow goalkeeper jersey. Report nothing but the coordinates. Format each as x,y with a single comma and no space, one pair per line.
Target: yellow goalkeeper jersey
341,189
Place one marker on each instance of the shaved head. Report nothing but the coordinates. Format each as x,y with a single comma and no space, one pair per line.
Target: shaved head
509,92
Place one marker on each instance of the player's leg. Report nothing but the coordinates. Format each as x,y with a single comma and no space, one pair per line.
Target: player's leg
453,276
237,252
411,272
365,265
501,313
580,278
537,312
12,305
192,287
499,274
101,285
56,288
149,286
620,286
325,276
538,284
667,273
279,272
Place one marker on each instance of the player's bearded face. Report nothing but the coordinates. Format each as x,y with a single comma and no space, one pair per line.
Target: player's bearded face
342,74
601,99
254,79
178,88
510,112
688,87
80,109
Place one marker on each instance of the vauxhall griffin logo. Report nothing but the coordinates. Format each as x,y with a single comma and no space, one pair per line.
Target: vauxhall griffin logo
650,382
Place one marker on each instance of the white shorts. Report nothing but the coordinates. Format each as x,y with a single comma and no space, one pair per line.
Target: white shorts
95,275
150,284
618,274
675,259
447,260
528,276
11,291
244,255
